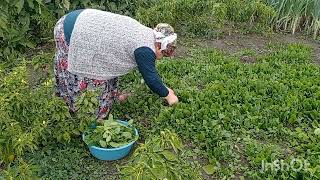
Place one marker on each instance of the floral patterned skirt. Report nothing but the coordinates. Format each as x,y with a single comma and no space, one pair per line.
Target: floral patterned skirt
69,86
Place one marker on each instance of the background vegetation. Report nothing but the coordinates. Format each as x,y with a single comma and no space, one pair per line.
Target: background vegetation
231,116
29,23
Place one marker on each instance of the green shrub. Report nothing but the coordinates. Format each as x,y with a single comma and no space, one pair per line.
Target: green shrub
254,13
189,17
28,23
20,170
32,116
15,19
161,157
206,18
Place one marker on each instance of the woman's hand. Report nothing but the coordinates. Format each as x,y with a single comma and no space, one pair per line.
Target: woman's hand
171,98
124,97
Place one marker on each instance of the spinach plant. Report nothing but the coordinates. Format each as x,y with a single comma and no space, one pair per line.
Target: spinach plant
161,157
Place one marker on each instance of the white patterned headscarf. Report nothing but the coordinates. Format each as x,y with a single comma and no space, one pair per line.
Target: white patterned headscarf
164,34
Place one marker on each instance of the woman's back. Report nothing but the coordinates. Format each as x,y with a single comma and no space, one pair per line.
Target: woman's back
106,42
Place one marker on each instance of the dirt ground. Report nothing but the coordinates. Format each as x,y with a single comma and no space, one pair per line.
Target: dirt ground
258,43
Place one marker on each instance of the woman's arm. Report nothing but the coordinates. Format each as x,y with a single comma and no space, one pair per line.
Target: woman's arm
145,59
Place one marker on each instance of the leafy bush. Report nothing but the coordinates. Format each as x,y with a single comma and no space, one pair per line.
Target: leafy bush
206,18
28,23
126,7
254,13
15,20
20,170
159,158
189,17
32,116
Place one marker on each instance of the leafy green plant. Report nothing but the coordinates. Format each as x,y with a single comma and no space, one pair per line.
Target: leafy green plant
159,158
31,115
111,134
235,115
17,26
26,23
70,161
21,170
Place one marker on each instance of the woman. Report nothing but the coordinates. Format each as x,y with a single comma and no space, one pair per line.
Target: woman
95,47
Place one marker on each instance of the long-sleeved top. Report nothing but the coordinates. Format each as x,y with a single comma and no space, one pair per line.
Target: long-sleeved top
89,24
69,22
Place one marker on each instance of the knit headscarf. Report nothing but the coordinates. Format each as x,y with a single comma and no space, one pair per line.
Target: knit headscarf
164,34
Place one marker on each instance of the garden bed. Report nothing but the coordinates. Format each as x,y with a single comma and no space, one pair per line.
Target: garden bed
244,114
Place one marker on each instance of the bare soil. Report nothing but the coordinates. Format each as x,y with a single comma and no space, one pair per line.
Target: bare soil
234,43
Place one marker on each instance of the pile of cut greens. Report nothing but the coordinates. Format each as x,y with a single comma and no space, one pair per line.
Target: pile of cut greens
111,134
